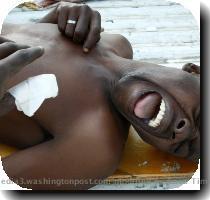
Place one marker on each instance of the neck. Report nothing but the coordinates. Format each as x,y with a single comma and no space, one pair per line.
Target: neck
117,66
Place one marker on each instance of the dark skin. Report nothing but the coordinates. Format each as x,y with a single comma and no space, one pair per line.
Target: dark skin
179,133
13,58
87,29
102,126
86,32
81,133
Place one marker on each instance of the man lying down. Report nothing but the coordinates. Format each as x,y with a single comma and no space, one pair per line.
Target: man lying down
80,134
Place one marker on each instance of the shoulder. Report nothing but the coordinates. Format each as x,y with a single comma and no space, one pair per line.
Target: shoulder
120,44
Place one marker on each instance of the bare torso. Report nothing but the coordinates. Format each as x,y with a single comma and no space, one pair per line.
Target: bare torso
82,78
82,113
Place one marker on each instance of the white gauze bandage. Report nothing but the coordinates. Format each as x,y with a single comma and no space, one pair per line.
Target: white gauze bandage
31,93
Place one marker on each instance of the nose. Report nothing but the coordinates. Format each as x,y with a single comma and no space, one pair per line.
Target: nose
182,130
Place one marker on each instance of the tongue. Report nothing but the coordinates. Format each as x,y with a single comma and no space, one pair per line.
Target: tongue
147,106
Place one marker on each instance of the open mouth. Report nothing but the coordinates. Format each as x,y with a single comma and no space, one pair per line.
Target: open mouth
151,108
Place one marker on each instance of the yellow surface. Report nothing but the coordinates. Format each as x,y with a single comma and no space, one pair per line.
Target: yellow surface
29,5
142,160
6,150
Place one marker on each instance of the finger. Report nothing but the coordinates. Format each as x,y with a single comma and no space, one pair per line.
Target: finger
8,48
94,33
15,62
62,18
70,27
2,40
82,27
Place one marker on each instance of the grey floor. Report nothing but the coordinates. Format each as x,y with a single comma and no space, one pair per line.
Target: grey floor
148,185
160,31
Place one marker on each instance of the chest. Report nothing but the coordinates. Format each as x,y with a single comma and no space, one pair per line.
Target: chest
81,80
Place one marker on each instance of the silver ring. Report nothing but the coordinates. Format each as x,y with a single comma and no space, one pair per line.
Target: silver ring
71,21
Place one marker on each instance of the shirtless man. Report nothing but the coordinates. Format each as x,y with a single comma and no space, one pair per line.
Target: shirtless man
79,136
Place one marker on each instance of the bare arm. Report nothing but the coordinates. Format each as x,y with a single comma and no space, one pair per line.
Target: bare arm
74,161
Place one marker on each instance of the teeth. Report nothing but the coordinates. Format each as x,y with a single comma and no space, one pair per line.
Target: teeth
162,106
161,112
157,120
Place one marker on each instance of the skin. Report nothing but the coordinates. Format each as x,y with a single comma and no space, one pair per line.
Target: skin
85,32
179,131
13,57
87,29
81,133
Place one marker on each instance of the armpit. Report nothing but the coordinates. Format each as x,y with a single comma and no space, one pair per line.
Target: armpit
7,103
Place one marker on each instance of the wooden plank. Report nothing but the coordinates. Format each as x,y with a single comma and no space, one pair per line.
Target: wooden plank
145,11
159,31
164,37
148,177
144,162
129,3
149,25
166,52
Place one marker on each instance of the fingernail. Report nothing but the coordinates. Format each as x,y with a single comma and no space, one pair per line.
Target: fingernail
86,50
41,47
